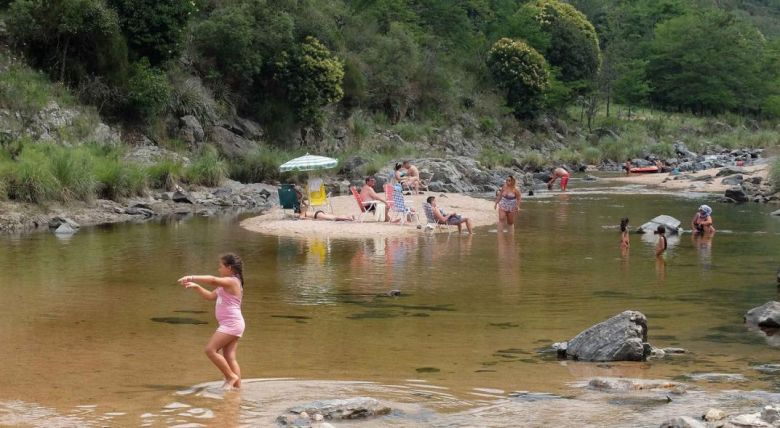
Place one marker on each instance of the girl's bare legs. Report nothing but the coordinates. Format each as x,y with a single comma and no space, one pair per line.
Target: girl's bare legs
217,342
502,220
229,352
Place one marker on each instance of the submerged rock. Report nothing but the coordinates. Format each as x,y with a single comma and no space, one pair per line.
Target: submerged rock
717,377
683,422
714,415
352,408
766,315
620,384
620,338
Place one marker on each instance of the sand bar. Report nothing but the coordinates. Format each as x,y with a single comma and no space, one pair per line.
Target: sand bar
667,181
277,222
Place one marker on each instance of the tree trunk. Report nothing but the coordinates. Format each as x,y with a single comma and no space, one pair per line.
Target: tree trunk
62,63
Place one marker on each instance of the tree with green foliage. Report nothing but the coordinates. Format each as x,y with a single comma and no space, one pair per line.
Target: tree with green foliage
313,78
148,90
70,39
522,72
154,28
573,42
632,87
707,62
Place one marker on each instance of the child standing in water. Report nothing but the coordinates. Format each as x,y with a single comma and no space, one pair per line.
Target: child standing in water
624,242
660,246
228,290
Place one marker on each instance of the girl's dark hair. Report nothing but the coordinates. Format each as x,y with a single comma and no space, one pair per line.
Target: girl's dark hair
660,230
430,199
397,166
623,224
233,262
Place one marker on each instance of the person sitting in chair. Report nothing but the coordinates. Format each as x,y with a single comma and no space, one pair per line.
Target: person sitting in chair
444,218
371,200
412,179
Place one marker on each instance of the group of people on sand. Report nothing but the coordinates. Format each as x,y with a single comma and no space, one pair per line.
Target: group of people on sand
407,175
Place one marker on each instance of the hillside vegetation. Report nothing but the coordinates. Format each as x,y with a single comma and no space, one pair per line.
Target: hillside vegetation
611,78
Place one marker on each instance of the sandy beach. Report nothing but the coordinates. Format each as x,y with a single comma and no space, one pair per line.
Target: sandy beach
667,181
277,222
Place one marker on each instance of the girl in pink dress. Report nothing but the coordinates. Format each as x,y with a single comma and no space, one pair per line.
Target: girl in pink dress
228,290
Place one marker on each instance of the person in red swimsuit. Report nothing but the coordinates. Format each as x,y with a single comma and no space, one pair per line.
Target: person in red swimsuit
557,173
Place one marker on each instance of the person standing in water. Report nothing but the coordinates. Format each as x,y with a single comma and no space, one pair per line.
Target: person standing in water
557,173
661,244
228,291
507,202
625,244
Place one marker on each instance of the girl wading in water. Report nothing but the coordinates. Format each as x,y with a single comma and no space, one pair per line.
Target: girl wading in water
228,289
507,201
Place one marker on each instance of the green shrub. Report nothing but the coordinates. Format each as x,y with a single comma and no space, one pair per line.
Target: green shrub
148,91
412,131
522,72
165,174
32,180
208,169
190,97
592,155
664,150
117,179
534,160
491,158
74,170
361,125
613,150
489,126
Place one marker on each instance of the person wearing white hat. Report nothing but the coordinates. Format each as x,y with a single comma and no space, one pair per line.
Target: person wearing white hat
702,221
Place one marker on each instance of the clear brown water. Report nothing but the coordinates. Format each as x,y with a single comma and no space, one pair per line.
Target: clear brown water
79,345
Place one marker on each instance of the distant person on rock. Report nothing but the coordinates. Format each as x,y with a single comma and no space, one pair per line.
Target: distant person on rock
563,174
702,221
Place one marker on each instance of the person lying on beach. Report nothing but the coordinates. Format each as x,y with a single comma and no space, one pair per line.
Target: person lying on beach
322,215
443,218
702,221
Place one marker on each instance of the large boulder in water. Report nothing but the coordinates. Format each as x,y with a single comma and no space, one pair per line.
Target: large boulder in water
766,315
620,338
671,224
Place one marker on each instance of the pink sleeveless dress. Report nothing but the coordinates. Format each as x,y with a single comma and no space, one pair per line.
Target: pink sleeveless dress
228,312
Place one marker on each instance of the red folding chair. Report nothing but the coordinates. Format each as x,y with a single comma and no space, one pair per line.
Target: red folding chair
364,207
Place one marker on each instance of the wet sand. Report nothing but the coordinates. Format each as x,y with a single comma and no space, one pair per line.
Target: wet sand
667,181
278,222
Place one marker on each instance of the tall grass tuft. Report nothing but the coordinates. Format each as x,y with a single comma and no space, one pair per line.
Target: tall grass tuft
117,179
592,155
491,158
165,174
208,169
262,164
568,156
32,180
534,160
362,126
774,175
74,170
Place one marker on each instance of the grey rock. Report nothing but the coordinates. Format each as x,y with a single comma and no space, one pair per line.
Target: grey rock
714,415
619,338
732,180
56,222
749,420
249,129
738,194
777,212
105,135
222,192
682,422
589,177
717,377
622,384
731,170
65,229
671,224
180,197
771,413
191,131
768,368
230,144
144,212
766,315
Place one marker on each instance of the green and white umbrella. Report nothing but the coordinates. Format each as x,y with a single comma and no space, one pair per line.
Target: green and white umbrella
308,163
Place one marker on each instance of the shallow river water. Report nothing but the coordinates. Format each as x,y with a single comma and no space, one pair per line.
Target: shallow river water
95,331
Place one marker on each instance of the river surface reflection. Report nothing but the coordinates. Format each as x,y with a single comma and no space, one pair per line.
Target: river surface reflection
95,330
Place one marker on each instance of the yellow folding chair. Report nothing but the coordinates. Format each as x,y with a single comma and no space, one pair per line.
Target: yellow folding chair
317,195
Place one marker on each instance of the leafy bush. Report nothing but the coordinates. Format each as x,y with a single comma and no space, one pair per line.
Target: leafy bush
190,97
412,131
534,160
361,125
568,156
148,91
521,71
489,126
263,164
208,169
663,150
491,158
165,174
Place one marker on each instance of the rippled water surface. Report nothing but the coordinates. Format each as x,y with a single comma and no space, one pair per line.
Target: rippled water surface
94,329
